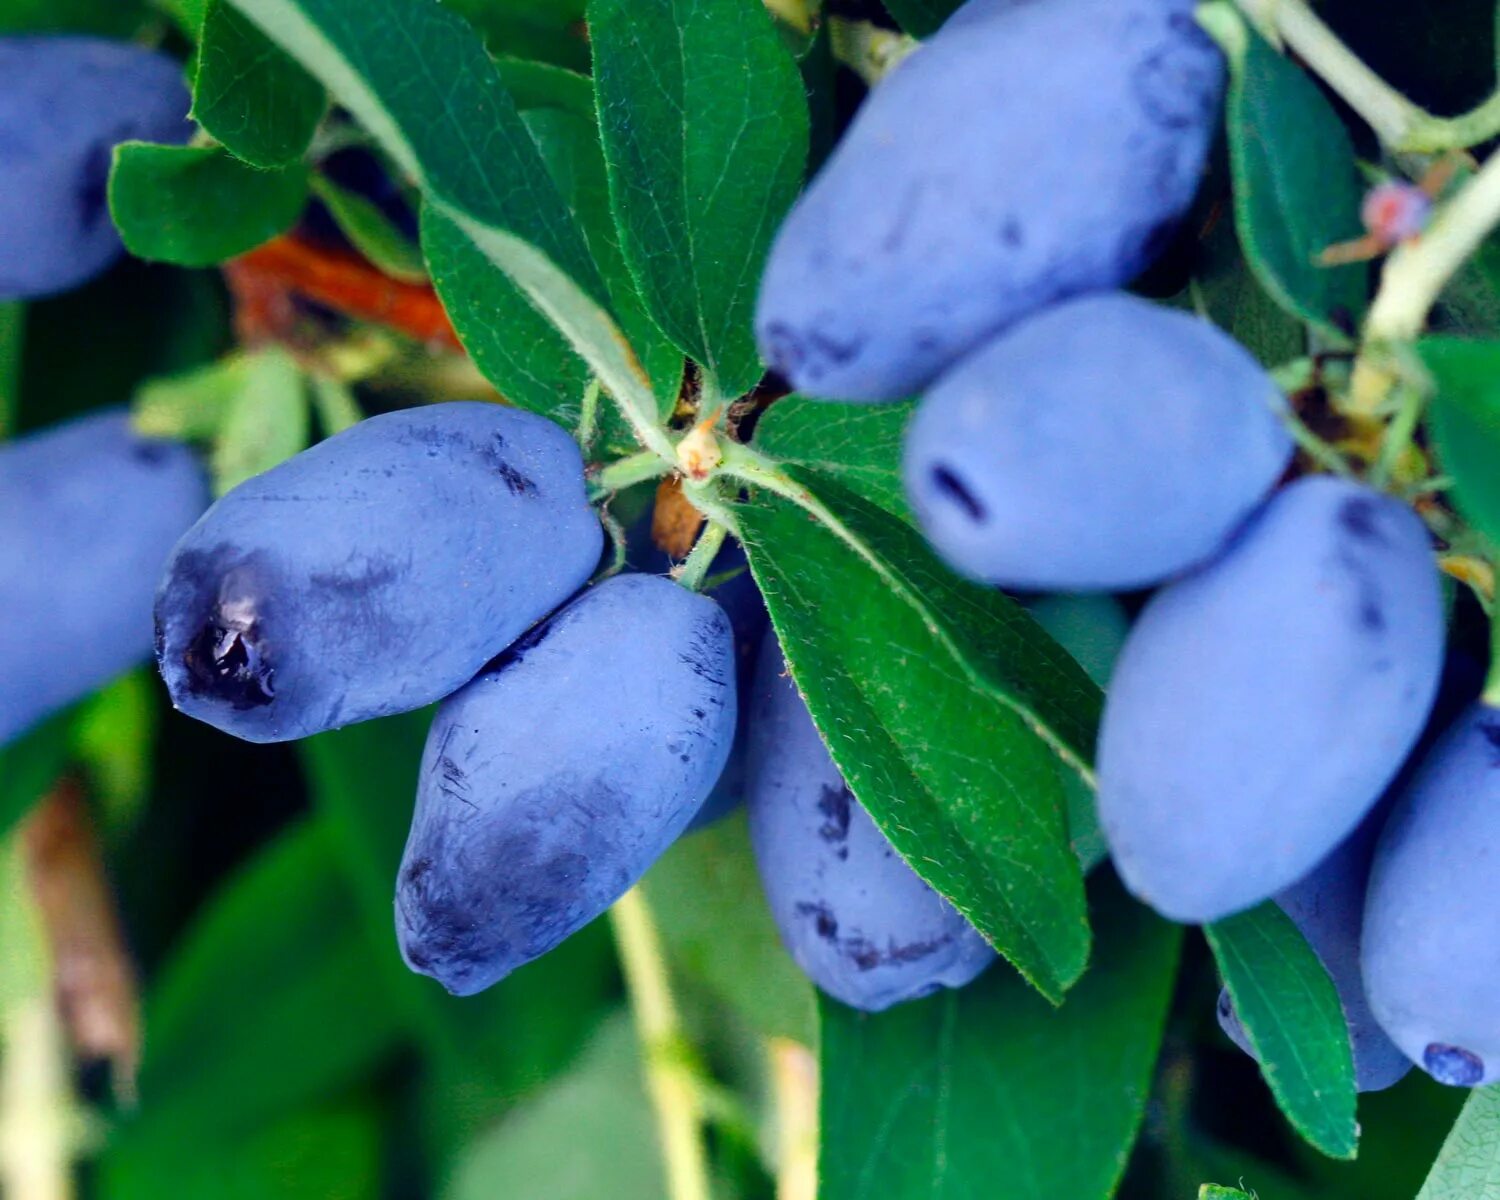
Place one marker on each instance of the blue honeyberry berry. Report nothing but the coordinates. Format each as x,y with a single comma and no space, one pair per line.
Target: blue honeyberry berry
1025,153
1327,905
1106,444
559,775
376,572
1262,704
65,103
860,922
89,512
1432,933
736,591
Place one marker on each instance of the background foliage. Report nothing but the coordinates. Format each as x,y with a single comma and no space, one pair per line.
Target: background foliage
561,217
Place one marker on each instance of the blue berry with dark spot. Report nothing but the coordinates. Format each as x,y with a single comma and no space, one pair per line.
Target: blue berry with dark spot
1262,704
1327,905
1024,154
89,512
558,776
1431,931
1104,445
860,922
376,572
65,103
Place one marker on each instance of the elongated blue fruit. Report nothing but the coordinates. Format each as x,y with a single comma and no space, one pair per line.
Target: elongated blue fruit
88,514
736,592
1327,905
555,779
1432,931
1025,153
65,103
1104,445
860,922
1263,703
376,572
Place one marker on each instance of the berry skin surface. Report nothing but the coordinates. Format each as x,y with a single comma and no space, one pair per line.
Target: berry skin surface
1023,154
1262,704
558,776
1327,905
374,573
1431,928
860,922
67,102
1104,445
89,512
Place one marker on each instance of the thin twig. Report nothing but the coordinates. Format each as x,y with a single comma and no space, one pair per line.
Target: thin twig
669,1078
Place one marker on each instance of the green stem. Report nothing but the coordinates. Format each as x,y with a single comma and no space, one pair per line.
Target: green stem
695,567
1400,124
710,398
588,414
1315,447
626,472
1417,271
1390,114
1398,435
669,1077
619,545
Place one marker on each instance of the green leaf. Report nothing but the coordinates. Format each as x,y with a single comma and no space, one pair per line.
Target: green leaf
335,403
1092,629
250,96
988,1091
589,1133
327,1153
196,206
265,421
857,444
190,406
267,1002
569,144
25,966
455,131
111,18
1296,187
917,682
705,131
514,346
370,231
12,340
1468,1166
549,30
921,18
461,137
114,737
31,764
1291,1011
1227,292
518,349
363,780
543,85
1470,303
1213,1191
1465,421
705,894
